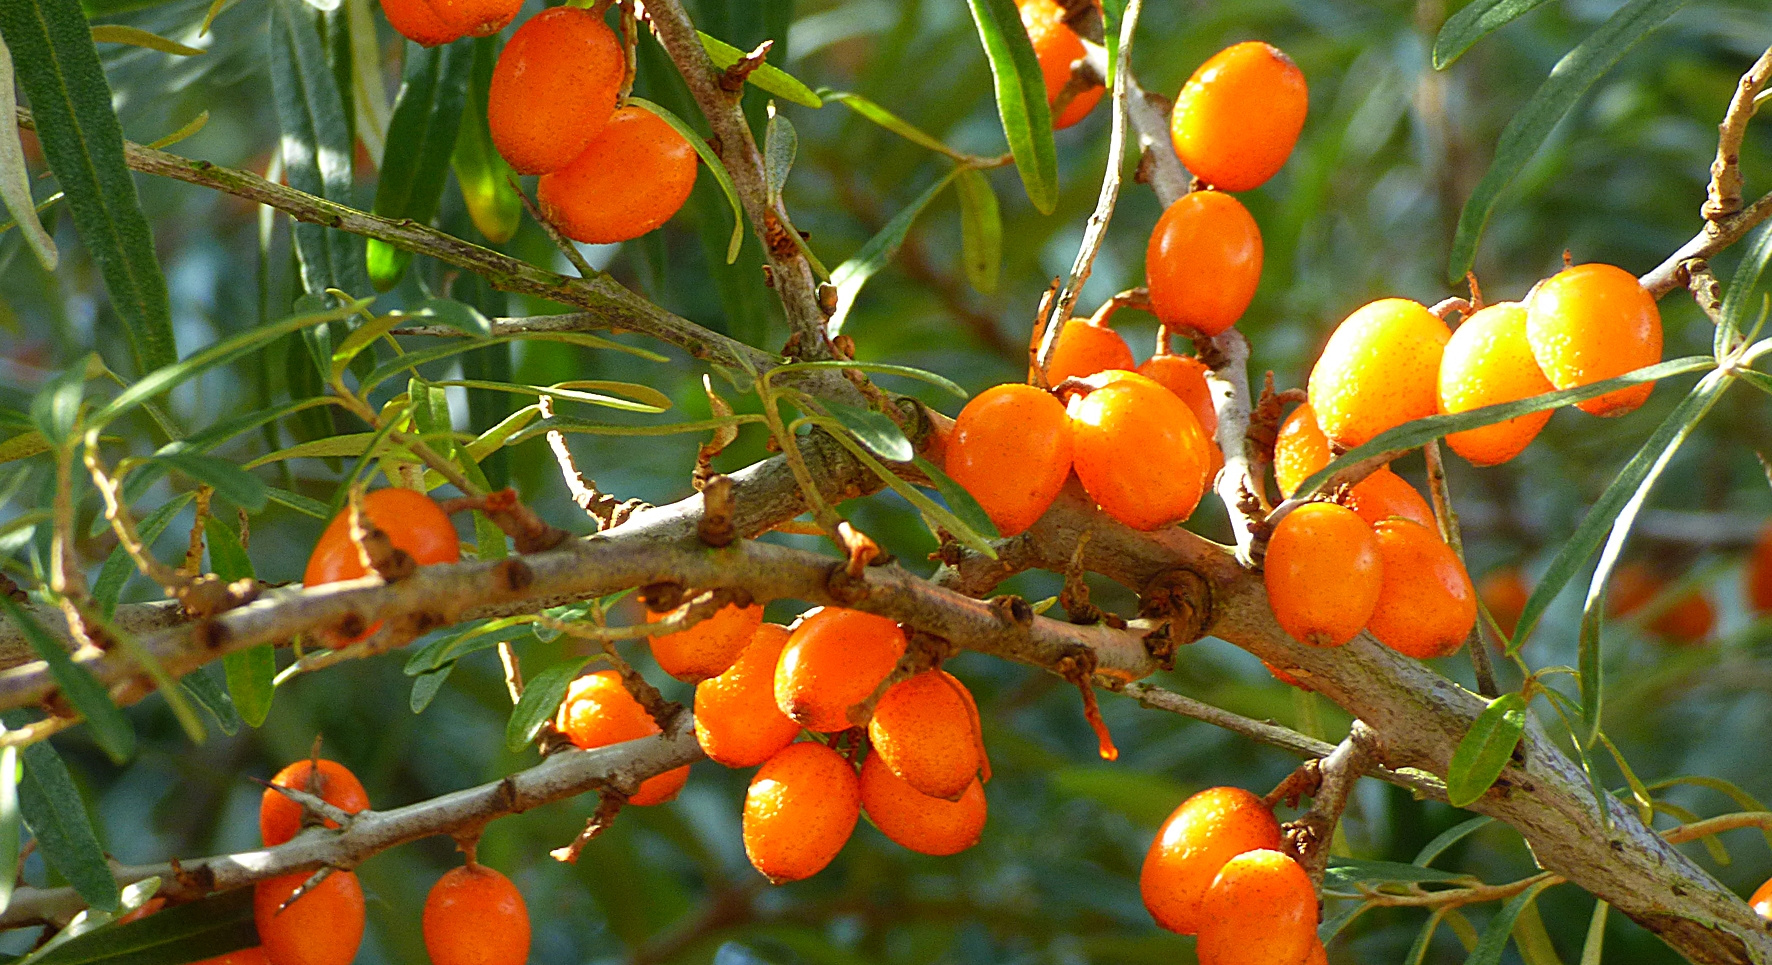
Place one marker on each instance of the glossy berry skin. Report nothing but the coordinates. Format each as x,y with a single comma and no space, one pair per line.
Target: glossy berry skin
1203,262
413,522
1322,573
1318,955
1380,369
1140,453
1260,910
834,660
799,811
1384,494
599,711
1488,361
736,720
1762,899
323,927
553,89
1205,831
1504,592
279,818
915,820
632,178
1011,449
1688,619
1756,576
1426,605
1185,376
1238,116
1057,46
418,22
1595,322
475,18
708,648
1085,348
476,916
924,730
1301,449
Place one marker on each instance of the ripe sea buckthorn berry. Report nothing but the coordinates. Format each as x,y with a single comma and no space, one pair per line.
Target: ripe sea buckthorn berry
322,927
1300,449
1057,46
1384,494
632,178
1185,376
834,660
1318,955
1426,604
411,519
1488,361
553,89
924,824
1757,574
1322,573
1380,369
418,22
279,818
799,811
476,916
1505,593
1140,453
1238,116
1595,322
736,720
476,18
924,730
1085,348
708,648
1011,449
1688,619
1200,835
1260,910
599,711
1203,262
1762,899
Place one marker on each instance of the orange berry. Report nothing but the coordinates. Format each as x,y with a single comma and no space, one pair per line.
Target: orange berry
413,522
553,89
1505,593
1688,619
799,811
1057,46
1085,348
1203,262
1236,119
1322,573
1185,376
1762,899
1384,494
1426,605
1595,322
1203,833
1488,361
1380,369
834,660
1260,910
1011,449
708,648
1140,453
736,720
1757,574
476,916
475,18
418,22
924,824
632,178
922,729
1300,449
323,927
1318,955
599,711
245,956
279,818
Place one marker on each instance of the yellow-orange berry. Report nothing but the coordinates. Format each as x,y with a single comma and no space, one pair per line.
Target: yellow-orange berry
1762,899
1260,910
1203,262
1595,322
1756,576
1488,361
322,927
1687,619
1202,834
1384,494
1301,449
1426,605
1185,376
799,811
279,818
736,720
632,178
923,730
833,661
475,18
1380,369
476,916
599,711
1085,348
1011,449
553,89
1139,452
708,648
418,22
1238,116
1322,574
915,820
1504,592
1057,46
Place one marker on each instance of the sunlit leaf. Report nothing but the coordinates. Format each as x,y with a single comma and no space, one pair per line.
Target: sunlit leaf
766,77
1485,749
56,815
109,727
541,697
421,140
1471,23
1021,98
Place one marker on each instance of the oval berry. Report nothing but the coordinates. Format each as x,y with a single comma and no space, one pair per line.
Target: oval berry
799,811
1322,574
599,711
1238,116
925,730
1688,618
553,89
476,916
1380,369
1384,494
1260,910
1504,592
1185,376
1085,348
736,720
475,18
1205,831
1057,46
833,661
708,648
1139,452
322,927
279,818
1203,262
1595,322
1488,361
1011,449
1301,450
924,824
411,519
418,22
635,174
1426,605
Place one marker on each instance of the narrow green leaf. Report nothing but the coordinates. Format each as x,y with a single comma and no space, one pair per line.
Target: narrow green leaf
1639,794
1344,873
1738,301
118,566
882,368
182,711
92,921
457,315
421,140
851,275
958,499
56,407
1424,938
541,697
780,145
229,481
1449,837
1486,749
112,33
10,821
562,423
185,130
1534,121
1112,12
653,401
1493,941
450,647
109,727
874,430
1595,944
1531,939
981,230
426,687
214,926
23,446
143,478
1327,931
411,360
1472,23
301,504
890,121
484,177
201,687
766,77
936,512
59,70
249,672
333,447
15,176
714,164
362,338
53,810
1021,98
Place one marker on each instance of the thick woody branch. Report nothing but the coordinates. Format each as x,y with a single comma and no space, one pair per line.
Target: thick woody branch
1308,837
